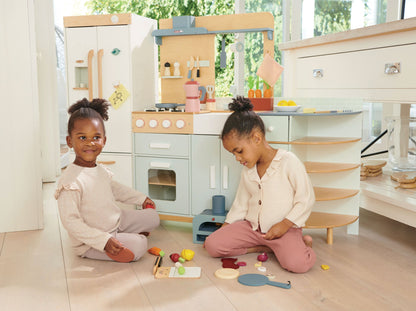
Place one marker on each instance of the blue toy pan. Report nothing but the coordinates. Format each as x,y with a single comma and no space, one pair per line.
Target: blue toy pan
260,280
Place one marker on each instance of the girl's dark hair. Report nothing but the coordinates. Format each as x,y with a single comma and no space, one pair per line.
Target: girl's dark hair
84,109
243,120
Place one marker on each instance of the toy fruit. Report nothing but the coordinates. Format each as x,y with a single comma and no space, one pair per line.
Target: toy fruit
262,257
187,254
174,257
291,103
282,103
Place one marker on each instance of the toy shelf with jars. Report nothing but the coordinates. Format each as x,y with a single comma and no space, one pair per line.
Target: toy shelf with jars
329,146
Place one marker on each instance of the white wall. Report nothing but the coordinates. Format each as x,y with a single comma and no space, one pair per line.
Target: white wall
20,155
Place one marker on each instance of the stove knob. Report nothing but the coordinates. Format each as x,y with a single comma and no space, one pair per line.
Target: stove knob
166,123
153,123
140,123
180,124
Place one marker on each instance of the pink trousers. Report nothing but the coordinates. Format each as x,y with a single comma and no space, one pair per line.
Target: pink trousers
132,222
234,240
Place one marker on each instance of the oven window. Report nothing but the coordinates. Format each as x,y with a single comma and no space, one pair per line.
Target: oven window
162,184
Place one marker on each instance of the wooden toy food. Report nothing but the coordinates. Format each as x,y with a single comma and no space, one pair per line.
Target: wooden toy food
262,257
187,254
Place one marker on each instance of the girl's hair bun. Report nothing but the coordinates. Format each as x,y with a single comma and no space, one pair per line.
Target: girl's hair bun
240,104
98,104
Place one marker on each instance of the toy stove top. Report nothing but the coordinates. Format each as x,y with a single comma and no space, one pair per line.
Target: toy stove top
167,108
178,122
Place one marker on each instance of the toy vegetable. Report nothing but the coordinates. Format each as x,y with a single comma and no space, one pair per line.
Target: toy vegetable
250,82
175,257
257,92
156,251
187,254
268,91
262,257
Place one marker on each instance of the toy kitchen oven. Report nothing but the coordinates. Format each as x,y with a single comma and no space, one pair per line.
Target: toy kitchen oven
179,161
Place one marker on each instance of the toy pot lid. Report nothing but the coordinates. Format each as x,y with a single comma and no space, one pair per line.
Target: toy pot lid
191,82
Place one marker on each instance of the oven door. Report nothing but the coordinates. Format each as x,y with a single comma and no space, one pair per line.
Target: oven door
165,181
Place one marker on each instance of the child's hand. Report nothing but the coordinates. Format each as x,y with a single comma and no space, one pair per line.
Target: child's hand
148,204
113,246
278,229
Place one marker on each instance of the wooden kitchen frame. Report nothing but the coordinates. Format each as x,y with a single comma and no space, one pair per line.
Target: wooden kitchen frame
180,48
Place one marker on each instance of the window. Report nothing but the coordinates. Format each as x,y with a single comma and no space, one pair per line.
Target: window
321,17
409,8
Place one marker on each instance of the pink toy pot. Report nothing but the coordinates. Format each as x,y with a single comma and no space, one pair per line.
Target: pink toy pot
194,94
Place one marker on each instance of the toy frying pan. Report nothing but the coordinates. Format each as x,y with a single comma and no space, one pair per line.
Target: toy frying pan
260,280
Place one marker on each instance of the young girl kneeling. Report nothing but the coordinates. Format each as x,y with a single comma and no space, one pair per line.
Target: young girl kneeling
87,195
273,200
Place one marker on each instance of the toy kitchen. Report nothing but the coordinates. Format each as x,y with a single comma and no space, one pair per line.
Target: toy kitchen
178,156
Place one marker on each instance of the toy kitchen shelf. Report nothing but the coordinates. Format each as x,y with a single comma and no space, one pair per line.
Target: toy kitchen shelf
332,162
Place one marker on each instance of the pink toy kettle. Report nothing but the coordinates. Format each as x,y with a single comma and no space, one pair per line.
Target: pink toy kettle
193,97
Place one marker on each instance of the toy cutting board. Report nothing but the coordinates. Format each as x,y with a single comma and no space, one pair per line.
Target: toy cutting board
172,272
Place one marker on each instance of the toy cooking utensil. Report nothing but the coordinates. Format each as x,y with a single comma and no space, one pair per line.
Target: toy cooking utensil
210,91
191,66
198,74
223,55
253,279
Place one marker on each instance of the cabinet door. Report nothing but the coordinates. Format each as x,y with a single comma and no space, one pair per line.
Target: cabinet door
205,168
165,181
116,69
78,42
230,176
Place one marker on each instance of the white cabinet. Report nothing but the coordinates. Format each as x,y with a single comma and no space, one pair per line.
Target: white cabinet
329,146
358,64
214,171
104,52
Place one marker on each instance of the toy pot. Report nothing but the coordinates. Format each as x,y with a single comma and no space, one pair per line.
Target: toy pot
194,94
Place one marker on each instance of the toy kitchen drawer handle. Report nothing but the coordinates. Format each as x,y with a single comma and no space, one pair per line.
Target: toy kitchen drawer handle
159,146
159,165
225,177
212,177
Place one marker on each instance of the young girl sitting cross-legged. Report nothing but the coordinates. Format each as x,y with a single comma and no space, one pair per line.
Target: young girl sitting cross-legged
273,200
87,195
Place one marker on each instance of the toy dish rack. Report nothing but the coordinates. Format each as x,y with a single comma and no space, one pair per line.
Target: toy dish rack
204,224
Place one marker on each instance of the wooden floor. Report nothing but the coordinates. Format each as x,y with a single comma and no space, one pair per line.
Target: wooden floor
373,271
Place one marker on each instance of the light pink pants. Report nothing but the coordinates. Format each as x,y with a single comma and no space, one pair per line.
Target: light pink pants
132,222
234,240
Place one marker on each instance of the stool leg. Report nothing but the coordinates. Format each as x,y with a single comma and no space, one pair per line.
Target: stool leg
329,235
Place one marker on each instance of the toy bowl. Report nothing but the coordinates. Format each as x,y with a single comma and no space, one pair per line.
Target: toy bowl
287,108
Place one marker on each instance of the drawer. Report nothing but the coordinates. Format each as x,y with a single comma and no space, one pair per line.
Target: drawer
162,144
359,69
276,127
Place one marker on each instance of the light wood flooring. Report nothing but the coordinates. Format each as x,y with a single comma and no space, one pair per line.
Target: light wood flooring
373,271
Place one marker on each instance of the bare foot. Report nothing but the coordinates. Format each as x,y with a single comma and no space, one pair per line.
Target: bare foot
259,249
307,239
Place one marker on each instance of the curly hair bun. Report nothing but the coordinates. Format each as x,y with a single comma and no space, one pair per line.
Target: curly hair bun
240,104
98,104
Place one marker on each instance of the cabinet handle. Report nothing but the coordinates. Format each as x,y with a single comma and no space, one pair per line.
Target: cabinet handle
107,162
100,72
212,177
90,56
318,73
159,146
225,177
159,165
392,69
